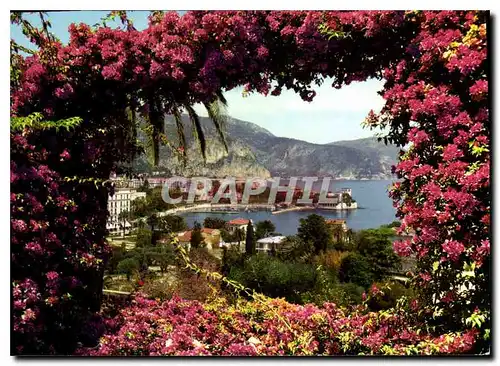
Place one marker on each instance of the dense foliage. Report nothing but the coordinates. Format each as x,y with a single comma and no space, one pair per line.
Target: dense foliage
275,278
196,237
214,223
294,272
357,269
435,66
376,246
151,204
249,239
57,241
264,229
268,327
315,230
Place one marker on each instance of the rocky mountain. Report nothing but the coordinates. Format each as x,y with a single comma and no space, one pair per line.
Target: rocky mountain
254,151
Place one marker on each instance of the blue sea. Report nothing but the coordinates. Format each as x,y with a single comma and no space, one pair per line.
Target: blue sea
374,209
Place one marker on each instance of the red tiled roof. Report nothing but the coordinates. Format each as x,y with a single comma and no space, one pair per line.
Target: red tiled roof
186,236
239,221
207,230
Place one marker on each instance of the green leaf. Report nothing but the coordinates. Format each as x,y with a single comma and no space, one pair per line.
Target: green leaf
36,121
435,266
486,334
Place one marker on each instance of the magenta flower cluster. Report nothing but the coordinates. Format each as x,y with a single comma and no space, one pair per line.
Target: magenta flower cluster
271,327
436,90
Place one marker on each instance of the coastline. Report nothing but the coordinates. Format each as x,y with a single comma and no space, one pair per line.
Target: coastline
239,207
208,207
295,208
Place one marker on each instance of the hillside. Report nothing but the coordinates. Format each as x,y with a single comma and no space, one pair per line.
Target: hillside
254,151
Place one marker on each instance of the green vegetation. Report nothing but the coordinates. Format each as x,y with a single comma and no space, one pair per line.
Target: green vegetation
315,229
214,223
196,237
391,291
355,268
264,229
294,248
128,266
335,273
375,245
393,224
347,199
174,223
275,278
153,203
250,240
144,238
144,187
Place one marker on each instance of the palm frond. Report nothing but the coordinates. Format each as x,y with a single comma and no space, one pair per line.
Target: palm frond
217,113
198,131
180,131
148,144
221,98
156,120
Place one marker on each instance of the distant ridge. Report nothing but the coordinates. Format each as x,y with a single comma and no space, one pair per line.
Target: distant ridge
255,151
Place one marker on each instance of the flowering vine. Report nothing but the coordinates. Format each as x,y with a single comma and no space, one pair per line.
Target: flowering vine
434,64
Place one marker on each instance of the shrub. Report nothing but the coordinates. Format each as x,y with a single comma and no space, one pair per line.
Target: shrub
376,246
162,256
128,266
293,248
315,229
274,277
329,291
331,259
268,327
355,268
350,293
159,289
231,257
214,223
249,240
194,286
144,238
264,229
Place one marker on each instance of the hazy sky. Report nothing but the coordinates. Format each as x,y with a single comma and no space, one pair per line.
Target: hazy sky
333,115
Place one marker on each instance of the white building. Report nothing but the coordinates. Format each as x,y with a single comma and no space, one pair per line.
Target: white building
117,203
338,201
266,245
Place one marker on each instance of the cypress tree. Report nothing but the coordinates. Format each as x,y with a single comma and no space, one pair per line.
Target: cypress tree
249,242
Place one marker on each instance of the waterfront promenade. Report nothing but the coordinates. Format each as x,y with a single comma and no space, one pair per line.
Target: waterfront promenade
208,207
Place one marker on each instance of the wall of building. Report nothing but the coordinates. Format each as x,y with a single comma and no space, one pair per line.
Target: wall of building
119,202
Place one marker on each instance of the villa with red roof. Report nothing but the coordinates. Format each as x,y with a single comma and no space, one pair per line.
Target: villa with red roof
238,223
211,237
